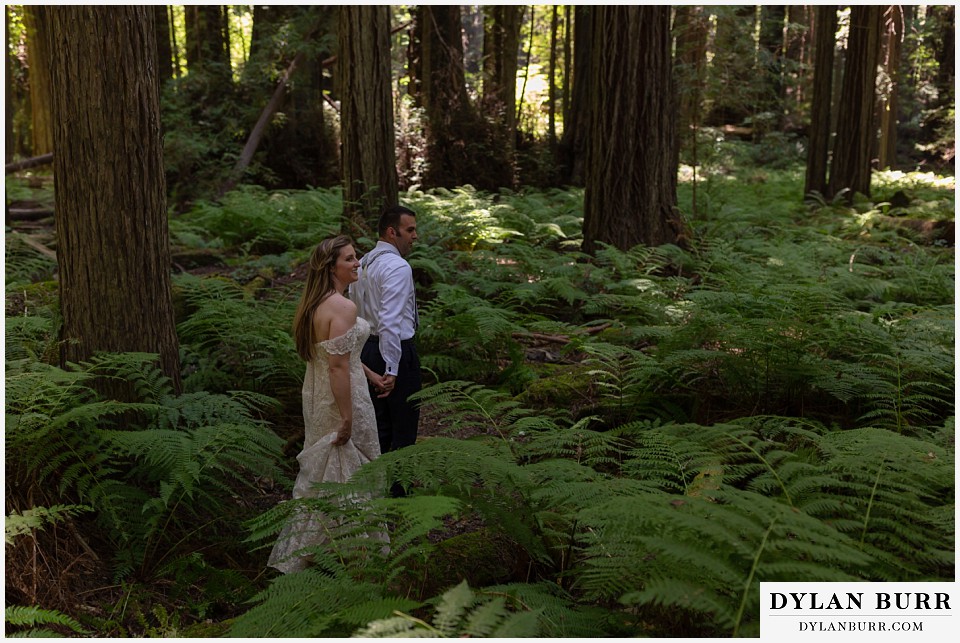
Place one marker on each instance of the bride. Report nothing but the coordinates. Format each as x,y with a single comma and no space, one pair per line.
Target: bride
340,427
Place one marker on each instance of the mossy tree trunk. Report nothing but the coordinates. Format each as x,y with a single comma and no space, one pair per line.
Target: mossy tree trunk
367,154
631,181
850,168
113,249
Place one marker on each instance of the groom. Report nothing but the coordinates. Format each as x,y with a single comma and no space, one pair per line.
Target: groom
385,297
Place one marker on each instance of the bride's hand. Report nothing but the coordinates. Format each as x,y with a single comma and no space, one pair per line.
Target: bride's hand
343,433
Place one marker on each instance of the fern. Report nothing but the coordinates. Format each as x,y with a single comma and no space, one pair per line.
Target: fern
137,480
31,617
459,613
17,524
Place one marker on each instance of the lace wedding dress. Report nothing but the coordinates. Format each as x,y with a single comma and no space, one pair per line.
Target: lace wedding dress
320,460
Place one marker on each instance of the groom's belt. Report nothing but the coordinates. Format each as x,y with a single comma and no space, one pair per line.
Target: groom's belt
376,338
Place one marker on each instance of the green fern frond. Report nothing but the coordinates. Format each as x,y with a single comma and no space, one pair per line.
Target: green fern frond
30,617
460,613
17,524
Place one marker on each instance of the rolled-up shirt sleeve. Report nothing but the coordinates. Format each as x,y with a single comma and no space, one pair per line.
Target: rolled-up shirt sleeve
396,292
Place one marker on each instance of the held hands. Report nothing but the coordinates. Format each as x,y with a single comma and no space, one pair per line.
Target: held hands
343,433
386,385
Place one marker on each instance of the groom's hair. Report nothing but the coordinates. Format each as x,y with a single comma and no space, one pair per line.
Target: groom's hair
390,218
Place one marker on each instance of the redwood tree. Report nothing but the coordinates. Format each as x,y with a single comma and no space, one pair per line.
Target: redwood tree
367,155
631,180
856,135
573,142
113,249
818,146
38,55
501,27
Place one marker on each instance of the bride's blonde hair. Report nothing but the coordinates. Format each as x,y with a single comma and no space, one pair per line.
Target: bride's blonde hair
319,286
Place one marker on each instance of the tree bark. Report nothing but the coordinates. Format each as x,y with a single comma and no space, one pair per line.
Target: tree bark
164,48
367,152
38,54
631,182
461,147
552,83
573,143
818,147
893,30
500,54
9,144
113,249
851,165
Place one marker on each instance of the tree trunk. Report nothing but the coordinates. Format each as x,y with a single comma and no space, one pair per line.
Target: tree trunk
690,29
573,144
552,83
9,144
500,53
851,166
164,48
893,29
818,146
38,54
769,111
460,147
113,249
206,43
367,154
631,186
797,61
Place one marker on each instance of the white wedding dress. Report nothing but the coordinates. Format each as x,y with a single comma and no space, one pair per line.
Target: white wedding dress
320,460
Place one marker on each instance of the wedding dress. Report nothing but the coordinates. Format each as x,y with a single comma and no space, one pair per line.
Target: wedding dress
320,460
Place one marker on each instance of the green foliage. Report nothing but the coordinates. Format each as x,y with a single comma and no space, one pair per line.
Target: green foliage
32,617
459,613
231,340
172,469
17,524
653,432
254,221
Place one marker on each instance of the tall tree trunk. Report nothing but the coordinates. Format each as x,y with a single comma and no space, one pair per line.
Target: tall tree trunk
893,30
38,54
207,47
552,83
690,29
500,51
567,62
113,248
573,144
461,148
851,165
818,147
631,186
367,156
164,50
797,61
770,69
9,143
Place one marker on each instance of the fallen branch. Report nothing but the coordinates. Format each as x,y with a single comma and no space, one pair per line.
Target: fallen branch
43,159
562,339
36,245
25,214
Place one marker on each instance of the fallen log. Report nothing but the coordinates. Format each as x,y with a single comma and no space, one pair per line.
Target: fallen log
43,159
